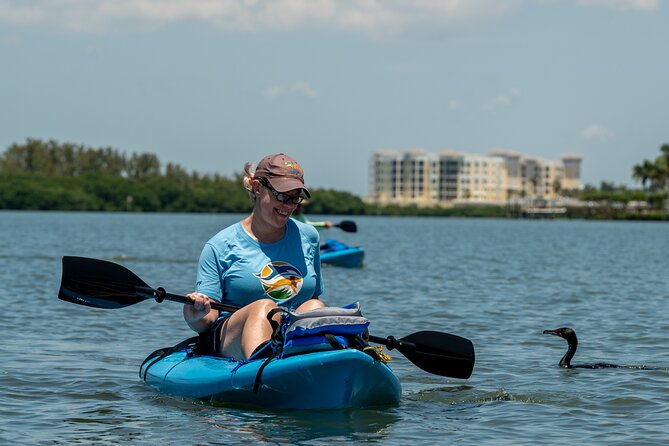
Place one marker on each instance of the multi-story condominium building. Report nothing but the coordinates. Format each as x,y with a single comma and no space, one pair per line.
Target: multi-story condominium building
425,178
572,171
405,177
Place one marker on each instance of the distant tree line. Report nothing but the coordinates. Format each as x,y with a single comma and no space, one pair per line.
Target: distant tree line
47,175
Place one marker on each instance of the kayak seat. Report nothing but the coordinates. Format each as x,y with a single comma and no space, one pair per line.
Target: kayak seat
332,245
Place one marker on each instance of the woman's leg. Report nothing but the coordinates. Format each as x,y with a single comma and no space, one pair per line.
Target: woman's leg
311,304
246,329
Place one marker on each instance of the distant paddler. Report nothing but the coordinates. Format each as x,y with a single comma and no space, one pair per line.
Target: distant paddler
298,214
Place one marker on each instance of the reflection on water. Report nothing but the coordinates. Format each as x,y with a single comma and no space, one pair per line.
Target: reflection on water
297,427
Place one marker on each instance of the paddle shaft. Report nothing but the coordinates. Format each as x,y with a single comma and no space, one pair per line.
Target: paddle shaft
391,342
102,284
159,294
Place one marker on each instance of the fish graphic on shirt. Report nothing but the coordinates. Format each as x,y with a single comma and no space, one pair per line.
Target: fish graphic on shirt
280,280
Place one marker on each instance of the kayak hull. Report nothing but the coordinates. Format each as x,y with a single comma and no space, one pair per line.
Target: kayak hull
351,257
318,380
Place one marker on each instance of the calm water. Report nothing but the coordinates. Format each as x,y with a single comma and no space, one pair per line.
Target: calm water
69,373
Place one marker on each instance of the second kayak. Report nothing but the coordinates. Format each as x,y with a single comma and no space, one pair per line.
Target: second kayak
337,253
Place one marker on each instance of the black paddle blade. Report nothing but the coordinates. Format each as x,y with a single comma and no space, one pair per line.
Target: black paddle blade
98,283
347,226
443,354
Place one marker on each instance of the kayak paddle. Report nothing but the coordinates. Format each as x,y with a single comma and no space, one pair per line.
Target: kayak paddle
439,353
347,226
103,284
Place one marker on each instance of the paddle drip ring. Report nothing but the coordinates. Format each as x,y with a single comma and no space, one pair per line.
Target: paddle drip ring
160,294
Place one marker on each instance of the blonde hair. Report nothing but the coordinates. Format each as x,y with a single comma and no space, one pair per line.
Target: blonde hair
248,178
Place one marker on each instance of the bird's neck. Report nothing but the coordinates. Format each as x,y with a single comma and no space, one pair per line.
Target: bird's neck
571,350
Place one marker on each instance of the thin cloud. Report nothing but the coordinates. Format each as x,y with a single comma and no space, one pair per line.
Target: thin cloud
370,16
597,132
642,5
503,100
300,88
379,18
273,92
304,88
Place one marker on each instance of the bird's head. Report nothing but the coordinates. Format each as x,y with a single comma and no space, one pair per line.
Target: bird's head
564,332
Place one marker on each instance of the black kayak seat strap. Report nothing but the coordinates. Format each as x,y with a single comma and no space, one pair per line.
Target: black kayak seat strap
162,353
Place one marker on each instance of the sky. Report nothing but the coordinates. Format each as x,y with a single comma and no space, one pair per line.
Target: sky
211,85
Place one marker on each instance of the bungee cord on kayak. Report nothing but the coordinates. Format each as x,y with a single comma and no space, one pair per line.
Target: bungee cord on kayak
569,335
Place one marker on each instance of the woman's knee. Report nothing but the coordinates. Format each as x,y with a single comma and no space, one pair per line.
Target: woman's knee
311,304
261,307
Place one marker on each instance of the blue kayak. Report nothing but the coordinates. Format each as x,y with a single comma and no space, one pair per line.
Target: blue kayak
340,254
330,379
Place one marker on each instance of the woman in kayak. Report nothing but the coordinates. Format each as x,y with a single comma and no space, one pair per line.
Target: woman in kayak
264,261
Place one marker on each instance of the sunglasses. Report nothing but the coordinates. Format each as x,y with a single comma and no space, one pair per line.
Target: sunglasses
280,196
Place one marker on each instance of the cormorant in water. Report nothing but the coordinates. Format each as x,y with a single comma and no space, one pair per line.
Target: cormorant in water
570,336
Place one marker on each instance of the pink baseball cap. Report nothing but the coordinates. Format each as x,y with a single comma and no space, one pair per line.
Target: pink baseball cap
282,172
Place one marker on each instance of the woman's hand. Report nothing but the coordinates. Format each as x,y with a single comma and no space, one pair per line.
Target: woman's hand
200,308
